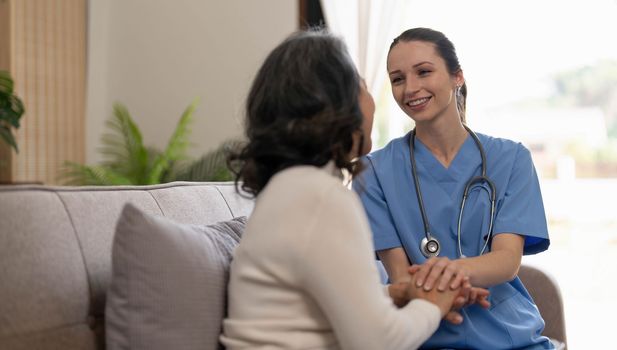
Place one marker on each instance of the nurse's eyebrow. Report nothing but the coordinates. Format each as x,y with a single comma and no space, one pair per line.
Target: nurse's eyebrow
414,66
421,63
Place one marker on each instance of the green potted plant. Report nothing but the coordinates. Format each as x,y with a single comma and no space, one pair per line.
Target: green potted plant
212,166
11,110
129,162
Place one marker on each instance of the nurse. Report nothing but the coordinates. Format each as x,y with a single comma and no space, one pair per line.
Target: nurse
413,189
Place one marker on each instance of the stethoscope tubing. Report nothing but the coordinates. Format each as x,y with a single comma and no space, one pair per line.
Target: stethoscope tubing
430,246
491,194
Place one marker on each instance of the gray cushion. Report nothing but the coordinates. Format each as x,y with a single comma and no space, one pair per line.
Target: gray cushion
168,282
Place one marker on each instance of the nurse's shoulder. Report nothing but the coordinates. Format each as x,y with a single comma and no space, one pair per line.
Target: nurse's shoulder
505,157
396,148
502,148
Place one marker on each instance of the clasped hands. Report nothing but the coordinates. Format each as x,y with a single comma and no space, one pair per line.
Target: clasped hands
445,283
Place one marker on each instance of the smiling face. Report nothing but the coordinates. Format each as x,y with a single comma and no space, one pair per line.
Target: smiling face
421,83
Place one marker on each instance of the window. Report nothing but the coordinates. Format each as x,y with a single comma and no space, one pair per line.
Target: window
545,73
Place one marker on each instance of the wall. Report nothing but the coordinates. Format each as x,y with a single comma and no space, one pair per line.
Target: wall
157,56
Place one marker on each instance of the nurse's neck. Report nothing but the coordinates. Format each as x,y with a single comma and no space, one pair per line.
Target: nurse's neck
443,141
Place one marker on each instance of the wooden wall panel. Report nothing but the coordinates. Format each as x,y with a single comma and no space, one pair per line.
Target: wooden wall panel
48,64
5,64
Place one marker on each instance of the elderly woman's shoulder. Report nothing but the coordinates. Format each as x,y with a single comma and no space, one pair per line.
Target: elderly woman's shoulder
307,182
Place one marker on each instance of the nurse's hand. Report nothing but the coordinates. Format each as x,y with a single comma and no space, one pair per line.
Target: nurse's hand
479,296
440,272
468,295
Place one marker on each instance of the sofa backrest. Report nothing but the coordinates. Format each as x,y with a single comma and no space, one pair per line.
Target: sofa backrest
55,253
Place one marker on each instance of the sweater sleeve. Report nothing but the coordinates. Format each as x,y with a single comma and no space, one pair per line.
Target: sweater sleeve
338,271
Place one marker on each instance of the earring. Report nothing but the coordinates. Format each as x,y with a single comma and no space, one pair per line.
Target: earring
459,94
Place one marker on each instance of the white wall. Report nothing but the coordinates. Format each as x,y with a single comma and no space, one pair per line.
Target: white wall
156,56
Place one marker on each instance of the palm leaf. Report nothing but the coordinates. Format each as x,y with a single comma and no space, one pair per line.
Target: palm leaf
126,159
176,147
123,147
79,174
210,167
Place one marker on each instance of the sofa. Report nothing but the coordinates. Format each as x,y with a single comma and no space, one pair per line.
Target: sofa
55,253
55,256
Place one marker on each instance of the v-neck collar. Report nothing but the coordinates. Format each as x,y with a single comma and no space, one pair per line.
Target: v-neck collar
425,159
431,169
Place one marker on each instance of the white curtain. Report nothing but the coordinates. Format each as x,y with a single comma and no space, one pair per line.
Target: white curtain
368,27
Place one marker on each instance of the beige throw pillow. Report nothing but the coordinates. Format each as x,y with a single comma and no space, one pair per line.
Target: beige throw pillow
169,281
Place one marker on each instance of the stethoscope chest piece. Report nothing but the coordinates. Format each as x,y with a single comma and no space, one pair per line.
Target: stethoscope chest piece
430,247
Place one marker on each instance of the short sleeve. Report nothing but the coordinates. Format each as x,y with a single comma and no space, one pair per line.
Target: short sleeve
522,209
369,190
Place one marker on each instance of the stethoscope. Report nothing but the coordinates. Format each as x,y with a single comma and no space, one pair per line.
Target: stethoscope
430,246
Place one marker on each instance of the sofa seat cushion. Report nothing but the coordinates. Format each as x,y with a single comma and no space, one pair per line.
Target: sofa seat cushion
169,280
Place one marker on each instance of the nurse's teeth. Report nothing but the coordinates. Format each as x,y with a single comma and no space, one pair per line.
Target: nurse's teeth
417,102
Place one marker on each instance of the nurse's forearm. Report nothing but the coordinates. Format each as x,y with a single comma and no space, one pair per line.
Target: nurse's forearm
500,265
492,268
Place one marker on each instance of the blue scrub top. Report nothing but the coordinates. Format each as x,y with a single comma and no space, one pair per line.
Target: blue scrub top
387,191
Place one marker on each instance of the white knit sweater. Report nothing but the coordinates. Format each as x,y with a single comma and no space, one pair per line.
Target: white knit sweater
304,276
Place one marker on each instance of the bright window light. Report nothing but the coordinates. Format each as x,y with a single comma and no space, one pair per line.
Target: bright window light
545,73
